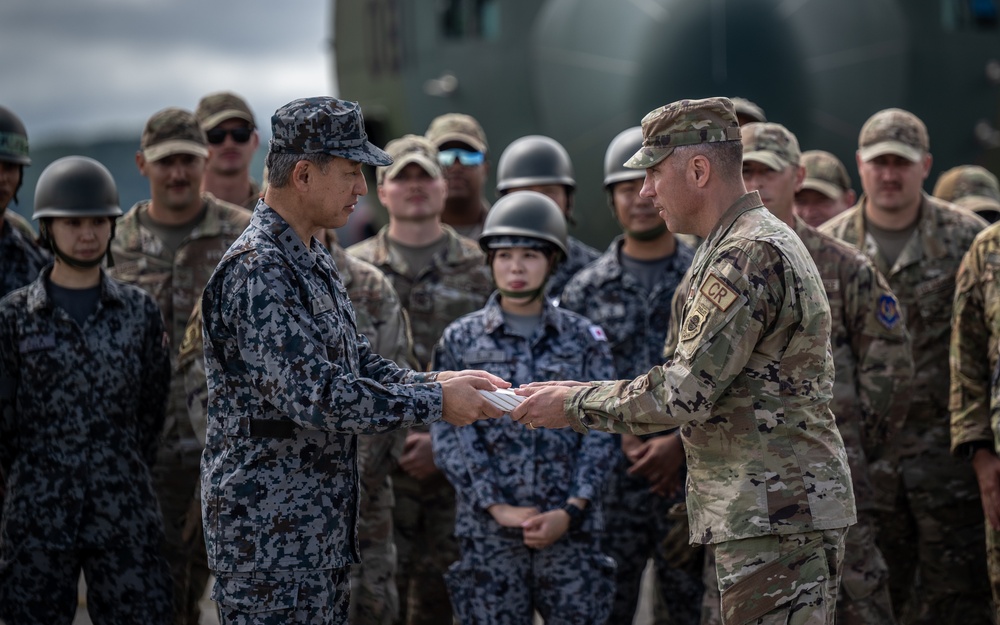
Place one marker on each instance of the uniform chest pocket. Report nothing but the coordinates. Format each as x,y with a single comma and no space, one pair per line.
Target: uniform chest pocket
560,366
495,361
935,298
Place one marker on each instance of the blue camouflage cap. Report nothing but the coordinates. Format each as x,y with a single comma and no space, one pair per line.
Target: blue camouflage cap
324,125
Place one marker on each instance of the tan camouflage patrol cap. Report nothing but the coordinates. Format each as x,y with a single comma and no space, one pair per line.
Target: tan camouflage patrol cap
986,207
746,108
771,144
893,131
216,108
685,122
457,127
172,131
966,180
409,149
324,125
825,174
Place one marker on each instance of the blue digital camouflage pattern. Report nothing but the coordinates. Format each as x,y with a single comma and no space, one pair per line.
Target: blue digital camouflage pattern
21,258
580,255
636,322
324,125
281,347
80,415
937,512
502,461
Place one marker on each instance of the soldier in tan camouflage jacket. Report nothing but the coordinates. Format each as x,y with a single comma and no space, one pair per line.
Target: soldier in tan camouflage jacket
917,243
439,277
169,245
975,391
749,385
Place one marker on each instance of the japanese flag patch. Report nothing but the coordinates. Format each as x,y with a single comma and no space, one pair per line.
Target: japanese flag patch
598,333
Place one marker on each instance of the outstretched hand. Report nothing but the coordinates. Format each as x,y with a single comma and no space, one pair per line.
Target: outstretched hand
462,402
496,381
543,406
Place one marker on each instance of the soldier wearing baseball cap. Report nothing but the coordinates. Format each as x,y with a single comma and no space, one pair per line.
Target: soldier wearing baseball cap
917,242
232,138
871,354
463,153
286,368
826,190
972,187
747,111
169,245
440,276
739,324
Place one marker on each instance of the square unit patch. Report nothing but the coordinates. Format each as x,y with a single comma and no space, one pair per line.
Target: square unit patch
718,292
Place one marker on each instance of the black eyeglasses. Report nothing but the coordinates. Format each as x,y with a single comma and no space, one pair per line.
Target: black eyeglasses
218,135
470,159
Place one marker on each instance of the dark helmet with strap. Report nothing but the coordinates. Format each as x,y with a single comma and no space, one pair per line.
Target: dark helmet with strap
524,219
534,160
13,138
622,148
75,186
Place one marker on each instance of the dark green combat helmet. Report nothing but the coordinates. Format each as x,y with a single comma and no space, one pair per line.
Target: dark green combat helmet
75,186
525,219
621,149
13,138
534,160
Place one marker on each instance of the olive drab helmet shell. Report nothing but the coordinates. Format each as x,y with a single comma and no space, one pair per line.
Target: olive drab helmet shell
13,138
525,214
532,160
621,149
76,186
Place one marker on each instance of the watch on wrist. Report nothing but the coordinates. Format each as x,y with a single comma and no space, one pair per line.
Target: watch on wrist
575,513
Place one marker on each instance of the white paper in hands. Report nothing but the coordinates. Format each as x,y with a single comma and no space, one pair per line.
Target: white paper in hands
503,399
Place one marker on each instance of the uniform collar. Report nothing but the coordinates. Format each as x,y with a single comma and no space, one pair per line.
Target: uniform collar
493,315
38,295
267,220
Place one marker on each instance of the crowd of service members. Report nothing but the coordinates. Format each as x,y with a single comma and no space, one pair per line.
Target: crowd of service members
103,402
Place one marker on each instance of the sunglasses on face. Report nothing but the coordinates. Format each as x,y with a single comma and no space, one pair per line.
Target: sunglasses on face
470,159
218,135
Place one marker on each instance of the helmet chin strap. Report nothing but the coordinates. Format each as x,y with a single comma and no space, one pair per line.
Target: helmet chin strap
648,235
531,294
76,262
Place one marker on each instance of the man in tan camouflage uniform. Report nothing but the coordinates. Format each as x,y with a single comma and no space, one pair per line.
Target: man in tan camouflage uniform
232,137
749,385
463,155
975,417
439,277
871,355
972,187
169,245
932,537
826,190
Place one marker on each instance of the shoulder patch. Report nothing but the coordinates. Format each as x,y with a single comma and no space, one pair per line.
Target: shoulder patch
693,322
888,311
718,292
832,285
993,258
598,333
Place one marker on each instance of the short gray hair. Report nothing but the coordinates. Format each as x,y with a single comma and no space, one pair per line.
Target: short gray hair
279,166
725,155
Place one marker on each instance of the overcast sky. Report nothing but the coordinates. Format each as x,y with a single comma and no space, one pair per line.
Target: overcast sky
85,68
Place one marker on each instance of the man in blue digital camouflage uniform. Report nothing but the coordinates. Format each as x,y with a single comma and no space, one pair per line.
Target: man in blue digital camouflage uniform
291,383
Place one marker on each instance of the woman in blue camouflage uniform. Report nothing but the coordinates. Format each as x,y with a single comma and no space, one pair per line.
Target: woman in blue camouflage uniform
528,516
84,370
